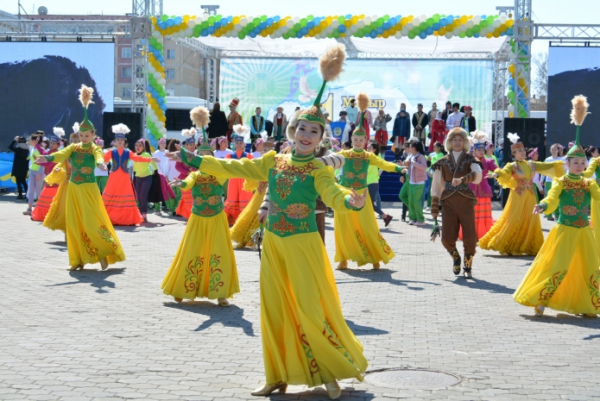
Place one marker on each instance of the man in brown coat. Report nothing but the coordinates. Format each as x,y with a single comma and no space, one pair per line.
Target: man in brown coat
452,175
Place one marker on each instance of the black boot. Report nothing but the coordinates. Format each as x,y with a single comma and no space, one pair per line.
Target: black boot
456,257
467,265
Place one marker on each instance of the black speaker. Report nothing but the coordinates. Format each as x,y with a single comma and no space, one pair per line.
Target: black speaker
532,132
132,120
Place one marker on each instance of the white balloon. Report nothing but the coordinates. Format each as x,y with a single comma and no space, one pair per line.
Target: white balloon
289,23
449,35
162,81
243,22
423,18
374,17
416,21
296,19
510,108
497,23
153,118
409,26
503,19
335,23
470,24
463,28
163,131
156,34
367,20
157,75
398,35
476,19
198,20
360,23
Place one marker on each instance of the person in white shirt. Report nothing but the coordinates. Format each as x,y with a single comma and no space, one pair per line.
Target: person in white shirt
220,145
555,150
352,112
455,118
163,163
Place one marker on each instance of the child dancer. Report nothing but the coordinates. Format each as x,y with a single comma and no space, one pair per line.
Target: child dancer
204,265
415,166
237,197
187,202
438,131
483,191
90,235
101,176
357,235
143,175
564,276
160,190
36,172
118,196
173,173
51,188
517,231
306,340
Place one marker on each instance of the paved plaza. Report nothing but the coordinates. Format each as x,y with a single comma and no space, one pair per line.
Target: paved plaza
113,335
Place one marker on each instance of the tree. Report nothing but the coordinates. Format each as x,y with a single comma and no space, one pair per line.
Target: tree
540,70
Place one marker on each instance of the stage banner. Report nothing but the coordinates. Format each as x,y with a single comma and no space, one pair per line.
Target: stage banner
292,83
337,128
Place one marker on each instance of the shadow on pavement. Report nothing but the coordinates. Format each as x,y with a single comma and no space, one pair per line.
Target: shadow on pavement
320,394
380,276
364,330
563,318
231,316
95,278
479,284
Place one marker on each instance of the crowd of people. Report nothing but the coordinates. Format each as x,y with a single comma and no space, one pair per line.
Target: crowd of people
275,196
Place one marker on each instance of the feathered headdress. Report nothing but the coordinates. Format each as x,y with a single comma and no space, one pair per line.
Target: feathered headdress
85,97
76,128
479,139
58,134
578,114
363,104
120,130
514,139
242,133
200,117
330,65
189,135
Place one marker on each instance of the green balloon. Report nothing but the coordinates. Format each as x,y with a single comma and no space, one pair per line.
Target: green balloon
411,35
386,17
297,27
256,21
476,28
218,17
490,19
483,24
436,17
380,21
310,17
416,30
462,35
211,20
263,18
285,36
204,25
336,34
341,19
303,22
430,21
511,95
522,114
423,26
469,33
241,35
164,17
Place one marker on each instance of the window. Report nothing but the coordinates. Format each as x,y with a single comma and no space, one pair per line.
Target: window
169,73
126,52
126,72
126,93
171,54
170,92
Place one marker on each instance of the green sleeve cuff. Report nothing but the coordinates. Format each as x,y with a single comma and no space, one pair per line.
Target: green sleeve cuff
543,205
194,161
349,206
398,169
50,158
183,185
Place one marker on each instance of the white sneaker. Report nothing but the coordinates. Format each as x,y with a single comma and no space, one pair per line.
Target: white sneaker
412,223
428,209
419,223
539,310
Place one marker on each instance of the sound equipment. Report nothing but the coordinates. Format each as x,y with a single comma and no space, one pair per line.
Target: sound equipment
532,132
132,120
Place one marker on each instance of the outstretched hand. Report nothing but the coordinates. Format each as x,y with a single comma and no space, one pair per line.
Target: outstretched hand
41,159
175,183
358,201
102,167
537,209
175,156
491,175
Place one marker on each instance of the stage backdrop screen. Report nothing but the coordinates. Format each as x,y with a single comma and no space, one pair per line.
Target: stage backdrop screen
289,83
573,71
39,84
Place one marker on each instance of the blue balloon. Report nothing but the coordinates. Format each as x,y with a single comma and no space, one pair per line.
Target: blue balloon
299,35
224,21
393,21
204,33
341,28
170,22
449,19
509,32
511,82
178,20
349,16
317,20
276,18
386,26
310,25
211,30
483,17
216,25
476,34
423,35
373,34
304,31
269,21
380,30
443,22
229,18
162,25
262,26
252,34
436,26
429,31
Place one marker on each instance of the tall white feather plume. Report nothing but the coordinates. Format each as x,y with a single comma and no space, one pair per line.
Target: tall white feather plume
76,128
120,129
59,132
189,132
514,138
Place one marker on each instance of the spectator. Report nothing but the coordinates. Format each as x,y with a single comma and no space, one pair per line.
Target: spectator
344,119
20,164
468,121
446,113
438,131
328,132
401,130
433,113
455,118
280,123
373,184
380,128
257,124
218,122
419,122
352,112
36,172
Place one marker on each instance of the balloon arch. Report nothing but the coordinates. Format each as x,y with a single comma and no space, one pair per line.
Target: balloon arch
333,27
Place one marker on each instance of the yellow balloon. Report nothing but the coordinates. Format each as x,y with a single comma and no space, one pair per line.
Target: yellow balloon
328,19
343,35
403,20
235,20
324,24
435,33
463,19
348,23
354,20
521,82
442,31
509,23
511,115
496,34
410,18
489,35
186,18
511,68
386,35
153,19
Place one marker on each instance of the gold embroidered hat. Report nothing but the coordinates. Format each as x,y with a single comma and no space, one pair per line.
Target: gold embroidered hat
578,113
85,97
330,65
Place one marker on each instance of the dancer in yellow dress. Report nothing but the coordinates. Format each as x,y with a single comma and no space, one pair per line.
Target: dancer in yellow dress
594,168
90,234
306,340
518,231
565,276
357,235
204,265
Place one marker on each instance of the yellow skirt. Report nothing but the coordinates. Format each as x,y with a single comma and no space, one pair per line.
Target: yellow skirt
204,265
90,234
565,274
306,340
518,231
596,222
357,237
55,218
247,223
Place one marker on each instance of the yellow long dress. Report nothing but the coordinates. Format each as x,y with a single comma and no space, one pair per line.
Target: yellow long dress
518,231
56,219
204,265
565,275
306,340
90,234
247,223
594,167
357,235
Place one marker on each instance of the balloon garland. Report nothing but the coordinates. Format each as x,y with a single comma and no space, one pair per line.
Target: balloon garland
516,69
343,26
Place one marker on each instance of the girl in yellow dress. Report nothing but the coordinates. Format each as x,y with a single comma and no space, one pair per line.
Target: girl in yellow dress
357,235
594,168
517,231
565,276
204,265
306,340
90,234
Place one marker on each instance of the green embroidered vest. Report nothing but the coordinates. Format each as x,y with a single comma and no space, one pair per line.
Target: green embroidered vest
574,201
355,170
208,196
293,195
83,162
